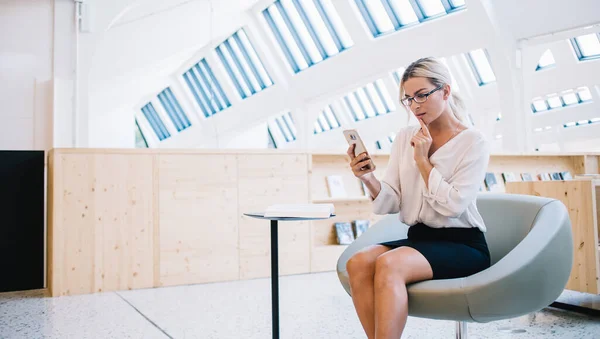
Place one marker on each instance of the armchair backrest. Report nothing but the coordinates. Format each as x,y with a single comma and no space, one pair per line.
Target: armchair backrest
508,219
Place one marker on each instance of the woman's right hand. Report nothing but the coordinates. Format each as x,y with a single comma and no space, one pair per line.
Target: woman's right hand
361,164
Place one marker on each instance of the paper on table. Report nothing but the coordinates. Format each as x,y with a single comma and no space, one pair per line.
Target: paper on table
300,211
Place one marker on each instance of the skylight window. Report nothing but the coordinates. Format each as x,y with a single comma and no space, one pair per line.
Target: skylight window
397,74
155,122
481,67
554,101
308,31
570,98
431,8
587,46
584,94
369,101
582,122
454,83
173,109
140,139
282,128
384,16
206,90
326,121
385,143
567,98
457,3
243,65
539,105
546,61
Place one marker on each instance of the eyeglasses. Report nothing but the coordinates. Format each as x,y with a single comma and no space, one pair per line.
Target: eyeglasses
420,98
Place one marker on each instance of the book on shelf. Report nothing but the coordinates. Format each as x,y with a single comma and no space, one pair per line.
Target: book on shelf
556,176
335,183
360,227
566,175
509,177
300,211
490,182
344,233
544,177
526,177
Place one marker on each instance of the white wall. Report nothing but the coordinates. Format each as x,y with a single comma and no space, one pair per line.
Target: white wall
133,49
26,72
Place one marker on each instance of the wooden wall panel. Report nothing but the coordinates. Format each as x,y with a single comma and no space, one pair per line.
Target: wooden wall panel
577,197
266,180
73,230
198,202
104,225
121,219
122,211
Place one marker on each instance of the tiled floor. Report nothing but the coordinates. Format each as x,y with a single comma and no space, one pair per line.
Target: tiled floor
312,306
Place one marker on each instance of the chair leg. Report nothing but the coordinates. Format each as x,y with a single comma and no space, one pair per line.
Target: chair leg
461,330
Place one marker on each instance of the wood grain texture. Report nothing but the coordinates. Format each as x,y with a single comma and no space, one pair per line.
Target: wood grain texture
265,180
126,219
579,198
198,219
101,229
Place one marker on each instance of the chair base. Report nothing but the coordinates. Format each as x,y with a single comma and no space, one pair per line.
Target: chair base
461,330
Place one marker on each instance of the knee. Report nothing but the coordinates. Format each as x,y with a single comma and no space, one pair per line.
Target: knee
388,270
360,264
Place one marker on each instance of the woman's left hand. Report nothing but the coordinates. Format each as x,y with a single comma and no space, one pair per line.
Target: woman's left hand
421,142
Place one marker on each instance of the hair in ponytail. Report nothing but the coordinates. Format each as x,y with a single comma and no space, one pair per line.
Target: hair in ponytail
438,74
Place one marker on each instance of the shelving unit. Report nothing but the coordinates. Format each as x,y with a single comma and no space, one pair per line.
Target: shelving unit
185,220
324,247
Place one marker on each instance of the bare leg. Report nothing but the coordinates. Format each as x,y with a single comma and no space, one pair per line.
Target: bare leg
361,271
393,271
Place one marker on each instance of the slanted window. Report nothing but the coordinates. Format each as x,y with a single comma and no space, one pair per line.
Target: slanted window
481,67
584,94
384,16
155,122
587,46
282,128
206,90
539,105
173,109
140,140
570,98
369,101
326,121
546,61
308,31
397,74
454,83
243,65
554,101
581,122
566,98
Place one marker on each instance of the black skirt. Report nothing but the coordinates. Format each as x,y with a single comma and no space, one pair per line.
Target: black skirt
452,252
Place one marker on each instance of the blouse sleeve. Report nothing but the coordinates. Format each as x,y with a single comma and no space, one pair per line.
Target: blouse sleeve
389,199
451,197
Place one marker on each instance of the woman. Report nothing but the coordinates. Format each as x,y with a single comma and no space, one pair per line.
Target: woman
433,177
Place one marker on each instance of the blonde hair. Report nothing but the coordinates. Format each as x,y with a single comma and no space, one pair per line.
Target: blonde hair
438,74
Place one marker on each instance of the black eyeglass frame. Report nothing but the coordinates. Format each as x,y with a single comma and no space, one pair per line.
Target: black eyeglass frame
408,101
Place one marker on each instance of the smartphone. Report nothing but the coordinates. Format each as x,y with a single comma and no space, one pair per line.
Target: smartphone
352,137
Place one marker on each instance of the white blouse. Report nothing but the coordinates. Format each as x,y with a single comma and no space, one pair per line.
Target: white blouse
459,168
